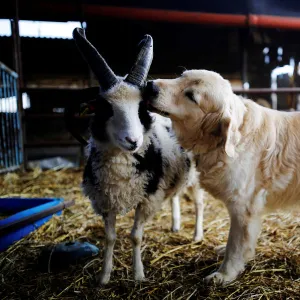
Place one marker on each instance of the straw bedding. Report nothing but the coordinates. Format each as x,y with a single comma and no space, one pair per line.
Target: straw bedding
174,266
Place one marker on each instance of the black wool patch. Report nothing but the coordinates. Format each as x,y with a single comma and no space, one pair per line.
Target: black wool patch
144,116
168,129
151,163
88,175
103,112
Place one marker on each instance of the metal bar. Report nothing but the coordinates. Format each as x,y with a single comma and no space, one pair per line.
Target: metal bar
2,130
19,83
267,91
67,10
171,15
18,126
14,121
3,122
166,15
52,144
84,90
10,114
54,116
13,127
266,21
8,70
17,43
11,120
8,135
9,169
1,138
6,139
244,41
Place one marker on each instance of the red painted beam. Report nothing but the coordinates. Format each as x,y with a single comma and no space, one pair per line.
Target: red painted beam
238,20
166,15
274,22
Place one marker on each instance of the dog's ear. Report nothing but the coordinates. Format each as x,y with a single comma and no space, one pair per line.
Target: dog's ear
230,134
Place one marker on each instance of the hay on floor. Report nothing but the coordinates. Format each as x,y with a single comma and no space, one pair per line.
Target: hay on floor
174,266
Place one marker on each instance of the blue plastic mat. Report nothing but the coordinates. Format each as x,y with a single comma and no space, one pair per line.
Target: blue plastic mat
24,207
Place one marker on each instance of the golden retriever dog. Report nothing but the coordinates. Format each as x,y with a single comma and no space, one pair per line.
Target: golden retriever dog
248,155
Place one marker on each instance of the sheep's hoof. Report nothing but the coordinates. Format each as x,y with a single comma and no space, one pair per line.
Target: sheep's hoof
175,224
198,238
140,277
175,228
103,279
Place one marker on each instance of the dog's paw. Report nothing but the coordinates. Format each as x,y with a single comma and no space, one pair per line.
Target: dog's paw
220,250
219,278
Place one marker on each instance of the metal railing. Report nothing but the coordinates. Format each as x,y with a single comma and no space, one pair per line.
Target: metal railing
274,92
11,156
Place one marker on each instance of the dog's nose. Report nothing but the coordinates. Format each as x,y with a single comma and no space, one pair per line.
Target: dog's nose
151,90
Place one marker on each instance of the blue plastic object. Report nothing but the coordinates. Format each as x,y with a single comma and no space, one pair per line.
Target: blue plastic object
24,207
62,255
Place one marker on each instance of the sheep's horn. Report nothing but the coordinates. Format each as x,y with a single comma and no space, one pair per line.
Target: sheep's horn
103,72
139,71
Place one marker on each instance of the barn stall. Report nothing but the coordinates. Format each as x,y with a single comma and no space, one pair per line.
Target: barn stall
254,46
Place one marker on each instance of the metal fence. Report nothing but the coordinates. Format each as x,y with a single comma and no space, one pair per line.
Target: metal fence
11,156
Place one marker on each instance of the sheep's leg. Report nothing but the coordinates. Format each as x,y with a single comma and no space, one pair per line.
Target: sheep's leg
110,238
136,239
175,213
198,195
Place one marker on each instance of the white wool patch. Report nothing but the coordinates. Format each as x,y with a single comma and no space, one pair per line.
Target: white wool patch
120,186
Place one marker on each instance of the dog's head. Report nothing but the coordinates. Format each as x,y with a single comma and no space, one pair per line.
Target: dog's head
200,104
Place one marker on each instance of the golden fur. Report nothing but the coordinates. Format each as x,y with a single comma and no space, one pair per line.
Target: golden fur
248,155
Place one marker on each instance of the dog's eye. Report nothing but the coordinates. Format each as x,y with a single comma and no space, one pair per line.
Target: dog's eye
190,95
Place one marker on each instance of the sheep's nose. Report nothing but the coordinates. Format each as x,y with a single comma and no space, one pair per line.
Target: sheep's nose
151,90
131,141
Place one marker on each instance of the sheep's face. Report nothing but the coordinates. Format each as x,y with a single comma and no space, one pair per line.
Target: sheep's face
121,117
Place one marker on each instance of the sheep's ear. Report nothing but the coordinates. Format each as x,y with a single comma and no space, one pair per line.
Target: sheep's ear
122,77
230,134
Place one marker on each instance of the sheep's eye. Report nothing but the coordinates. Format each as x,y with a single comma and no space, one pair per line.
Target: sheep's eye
190,95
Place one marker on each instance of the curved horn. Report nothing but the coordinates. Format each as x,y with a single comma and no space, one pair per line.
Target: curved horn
103,72
139,71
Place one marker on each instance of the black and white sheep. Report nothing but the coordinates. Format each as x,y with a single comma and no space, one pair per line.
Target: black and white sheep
133,158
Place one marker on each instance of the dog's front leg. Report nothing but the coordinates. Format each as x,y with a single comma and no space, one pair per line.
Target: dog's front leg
244,230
